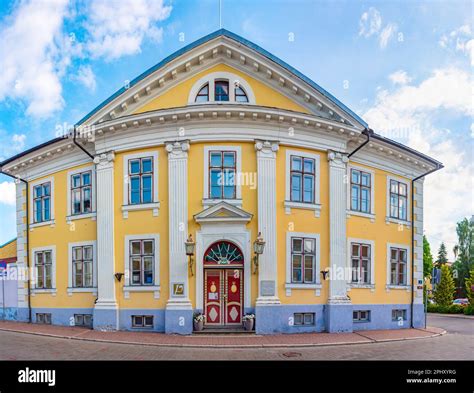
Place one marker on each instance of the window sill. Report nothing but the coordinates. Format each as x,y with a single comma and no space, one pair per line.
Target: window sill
211,202
370,216
361,286
399,287
51,291
316,207
51,223
74,217
144,288
92,290
389,220
155,206
316,287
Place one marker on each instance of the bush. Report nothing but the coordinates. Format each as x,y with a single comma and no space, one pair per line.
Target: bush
469,310
451,309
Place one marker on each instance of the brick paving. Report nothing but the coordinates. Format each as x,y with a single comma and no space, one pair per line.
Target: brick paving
223,340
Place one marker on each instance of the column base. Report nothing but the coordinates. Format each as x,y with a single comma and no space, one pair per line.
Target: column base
106,316
339,316
179,317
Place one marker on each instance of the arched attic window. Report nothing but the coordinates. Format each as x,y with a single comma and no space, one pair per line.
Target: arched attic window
240,95
203,94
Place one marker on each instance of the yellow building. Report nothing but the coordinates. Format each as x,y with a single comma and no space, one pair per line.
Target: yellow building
222,141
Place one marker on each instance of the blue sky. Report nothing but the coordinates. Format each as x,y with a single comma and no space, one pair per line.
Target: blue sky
405,67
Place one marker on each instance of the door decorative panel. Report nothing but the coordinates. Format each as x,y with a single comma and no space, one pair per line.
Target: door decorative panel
213,296
233,296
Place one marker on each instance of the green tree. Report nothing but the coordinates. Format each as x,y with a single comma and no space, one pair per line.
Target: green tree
427,258
469,287
443,294
464,253
442,256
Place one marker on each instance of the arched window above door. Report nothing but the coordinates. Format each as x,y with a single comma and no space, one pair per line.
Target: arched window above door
223,253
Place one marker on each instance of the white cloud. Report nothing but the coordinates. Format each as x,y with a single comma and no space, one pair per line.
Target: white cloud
405,114
386,34
10,147
30,55
8,193
400,77
119,28
459,40
86,76
370,22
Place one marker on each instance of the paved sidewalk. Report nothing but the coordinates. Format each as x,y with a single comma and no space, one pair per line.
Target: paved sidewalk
222,341
434,314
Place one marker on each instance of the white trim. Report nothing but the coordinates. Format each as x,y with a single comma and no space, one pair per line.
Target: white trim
32,184
317,264
70,288
350,212
288,203
53,270
371,243
238,167
155,288
155,205
389,219
231,78
407,286
91,214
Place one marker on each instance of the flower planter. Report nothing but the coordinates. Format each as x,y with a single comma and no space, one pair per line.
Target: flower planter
248,324
198,326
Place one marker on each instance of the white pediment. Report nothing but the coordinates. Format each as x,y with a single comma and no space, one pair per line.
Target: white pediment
223,212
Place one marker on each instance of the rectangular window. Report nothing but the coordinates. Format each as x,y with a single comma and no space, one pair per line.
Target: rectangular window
83,320
140,175
360,191
398,200
142,261
360,263
361,316
81,193
43,318
142,321
221,91
302,178
397,314
44,269
82,266
306,319
42,202
222,172
398,266
303,259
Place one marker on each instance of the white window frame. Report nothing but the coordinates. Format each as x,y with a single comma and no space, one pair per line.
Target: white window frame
211,78
238,167
127,287
155,205
407,286
92,214
351,212
33,184
389,219
93,289
34,289
288,203
370,243
289,286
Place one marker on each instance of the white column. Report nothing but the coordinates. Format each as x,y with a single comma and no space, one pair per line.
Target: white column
178,222
105,243
418,236
21,251
266,183
337,227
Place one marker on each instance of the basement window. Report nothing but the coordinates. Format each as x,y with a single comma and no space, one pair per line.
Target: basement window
397,314
142,321
304,319
83,320
43,318
361,316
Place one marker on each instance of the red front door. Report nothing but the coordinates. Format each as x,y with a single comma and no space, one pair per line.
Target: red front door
223,296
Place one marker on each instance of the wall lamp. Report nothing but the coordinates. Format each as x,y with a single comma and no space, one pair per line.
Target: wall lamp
258,247
190,245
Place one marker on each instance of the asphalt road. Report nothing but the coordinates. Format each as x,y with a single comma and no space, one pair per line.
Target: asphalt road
458,344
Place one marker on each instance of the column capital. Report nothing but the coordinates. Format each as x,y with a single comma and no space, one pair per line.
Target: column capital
267,148
104,160
337,159
177,149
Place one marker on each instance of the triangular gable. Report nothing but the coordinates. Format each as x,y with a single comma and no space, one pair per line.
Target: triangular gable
223,212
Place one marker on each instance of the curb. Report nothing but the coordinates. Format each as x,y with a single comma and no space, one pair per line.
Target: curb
230,346
462,316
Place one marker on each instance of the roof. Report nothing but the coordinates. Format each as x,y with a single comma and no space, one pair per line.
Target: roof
7,243
243,41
